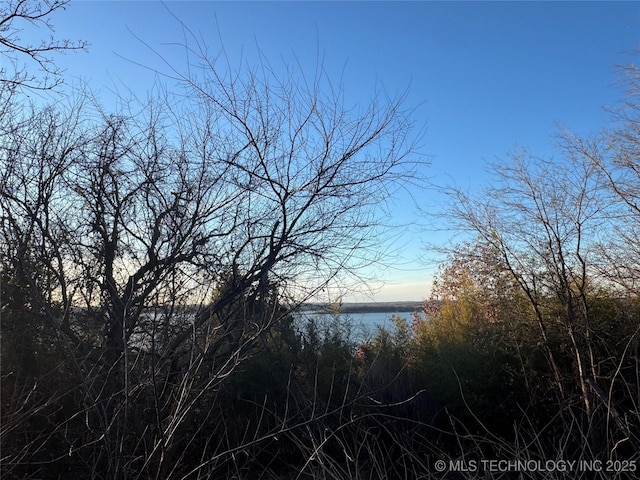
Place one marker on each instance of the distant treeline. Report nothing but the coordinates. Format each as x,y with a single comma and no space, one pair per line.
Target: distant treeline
363,307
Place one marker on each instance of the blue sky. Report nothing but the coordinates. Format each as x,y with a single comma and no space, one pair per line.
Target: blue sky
483,77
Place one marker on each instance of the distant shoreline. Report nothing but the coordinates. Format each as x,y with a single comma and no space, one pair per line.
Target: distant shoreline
364,307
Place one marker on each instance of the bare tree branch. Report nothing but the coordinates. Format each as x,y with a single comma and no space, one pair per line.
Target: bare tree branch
18,17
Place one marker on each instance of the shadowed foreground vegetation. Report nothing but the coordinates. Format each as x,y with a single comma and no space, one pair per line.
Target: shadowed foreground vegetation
472,382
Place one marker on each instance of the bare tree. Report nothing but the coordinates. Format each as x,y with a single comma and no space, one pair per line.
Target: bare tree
616,153
162,241
547,219
18,17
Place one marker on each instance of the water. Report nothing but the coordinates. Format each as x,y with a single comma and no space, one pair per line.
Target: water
372,320
364,324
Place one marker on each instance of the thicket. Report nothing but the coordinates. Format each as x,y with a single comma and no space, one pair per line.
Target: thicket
467,378
152,254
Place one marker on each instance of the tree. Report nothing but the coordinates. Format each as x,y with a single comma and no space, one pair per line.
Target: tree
161,245
16,16
616,152
545,218
473,289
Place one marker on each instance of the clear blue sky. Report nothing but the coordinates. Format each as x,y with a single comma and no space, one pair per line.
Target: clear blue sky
483,76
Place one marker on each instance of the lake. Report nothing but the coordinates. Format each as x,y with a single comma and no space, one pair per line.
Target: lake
365,324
